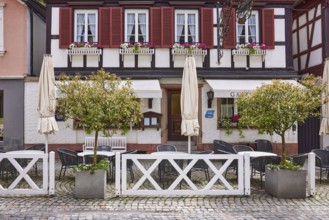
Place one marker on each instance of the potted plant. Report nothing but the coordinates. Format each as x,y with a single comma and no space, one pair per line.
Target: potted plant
275,108
101,103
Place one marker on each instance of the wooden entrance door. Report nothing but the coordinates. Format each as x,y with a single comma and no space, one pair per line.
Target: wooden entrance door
174,117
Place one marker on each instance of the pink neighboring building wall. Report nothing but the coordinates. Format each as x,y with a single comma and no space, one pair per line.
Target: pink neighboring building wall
14,62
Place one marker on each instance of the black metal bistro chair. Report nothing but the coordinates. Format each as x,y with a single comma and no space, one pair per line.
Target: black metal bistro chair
40,147
130,164
222,145
298,159
233,165
69,159
258,164
201,165
166,147
322,161
263,145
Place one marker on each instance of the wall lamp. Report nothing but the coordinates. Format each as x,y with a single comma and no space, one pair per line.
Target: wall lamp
210,95
150,100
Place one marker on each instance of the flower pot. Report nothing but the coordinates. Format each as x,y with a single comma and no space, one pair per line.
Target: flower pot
289,184
90,186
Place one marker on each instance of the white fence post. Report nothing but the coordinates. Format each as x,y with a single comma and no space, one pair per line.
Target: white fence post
246,177
117,174
51,173
311,173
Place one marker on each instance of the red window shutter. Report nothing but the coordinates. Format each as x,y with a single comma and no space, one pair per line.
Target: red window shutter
65,27
207,27
268,27
155,26
167,27
230,39
104,27
116,27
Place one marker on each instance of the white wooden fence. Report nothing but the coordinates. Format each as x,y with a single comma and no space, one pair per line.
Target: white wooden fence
218,184
48,173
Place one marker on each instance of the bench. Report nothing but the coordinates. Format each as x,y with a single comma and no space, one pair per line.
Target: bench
117,143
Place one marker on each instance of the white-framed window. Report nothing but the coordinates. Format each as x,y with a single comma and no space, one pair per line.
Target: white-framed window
2,46
228,107
136,26
186,26
85,25
249,31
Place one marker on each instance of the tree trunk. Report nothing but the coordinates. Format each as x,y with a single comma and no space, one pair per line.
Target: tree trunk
283,149
95,149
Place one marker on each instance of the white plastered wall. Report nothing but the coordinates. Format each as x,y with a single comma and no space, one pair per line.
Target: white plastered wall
67,135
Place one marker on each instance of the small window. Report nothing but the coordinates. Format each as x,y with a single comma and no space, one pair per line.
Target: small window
186,26
248,32
85,26
136,26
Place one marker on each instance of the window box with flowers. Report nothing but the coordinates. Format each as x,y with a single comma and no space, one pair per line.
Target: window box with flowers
189,49
83,48
137,48
229,123
250,49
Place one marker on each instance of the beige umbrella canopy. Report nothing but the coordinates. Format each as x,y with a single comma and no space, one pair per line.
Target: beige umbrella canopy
47,99
189,101
324,128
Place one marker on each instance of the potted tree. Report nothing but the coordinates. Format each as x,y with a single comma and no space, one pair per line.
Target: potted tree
102,103
276,108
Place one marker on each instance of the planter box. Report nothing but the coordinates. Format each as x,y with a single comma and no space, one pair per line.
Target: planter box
290,184
90,186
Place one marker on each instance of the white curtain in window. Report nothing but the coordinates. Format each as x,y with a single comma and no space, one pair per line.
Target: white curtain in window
191,26
252,27
180,25
80,27
92,26
130,25
240,35
142,24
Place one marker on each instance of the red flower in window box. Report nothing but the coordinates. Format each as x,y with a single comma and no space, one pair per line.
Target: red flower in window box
235,118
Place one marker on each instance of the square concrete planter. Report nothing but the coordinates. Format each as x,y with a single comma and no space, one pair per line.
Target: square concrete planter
90,186
289,184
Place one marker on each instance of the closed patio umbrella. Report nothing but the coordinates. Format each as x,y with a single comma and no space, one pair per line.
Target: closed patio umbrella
324,127
189,101
47,99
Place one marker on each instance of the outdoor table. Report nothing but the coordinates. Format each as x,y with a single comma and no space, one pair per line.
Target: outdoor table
257,153
25,152
168,152
91,153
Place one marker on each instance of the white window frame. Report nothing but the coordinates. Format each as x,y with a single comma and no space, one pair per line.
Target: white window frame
136,12
255,13
86,12
2,47
186,12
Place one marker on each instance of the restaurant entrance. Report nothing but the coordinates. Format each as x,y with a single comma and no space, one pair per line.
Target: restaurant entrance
174,116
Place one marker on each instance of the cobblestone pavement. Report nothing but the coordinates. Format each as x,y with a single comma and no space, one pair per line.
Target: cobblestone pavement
259,205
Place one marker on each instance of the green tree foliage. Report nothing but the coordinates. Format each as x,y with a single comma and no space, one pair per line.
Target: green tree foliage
101,102
277,107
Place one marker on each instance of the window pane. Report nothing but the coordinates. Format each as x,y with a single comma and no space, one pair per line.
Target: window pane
241,38
227,108
180,28
191,28
92,28
142,27
130,27
80,28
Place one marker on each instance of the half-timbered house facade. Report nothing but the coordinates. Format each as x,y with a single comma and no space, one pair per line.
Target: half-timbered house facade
142,40
310,50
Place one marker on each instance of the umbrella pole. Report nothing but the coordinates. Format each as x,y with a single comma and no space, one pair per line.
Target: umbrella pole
46,143
189,144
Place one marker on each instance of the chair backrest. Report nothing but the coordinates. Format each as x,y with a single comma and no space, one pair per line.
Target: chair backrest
40,147
104,148
298,159
166,147
118,143
326,148
263,145
239,148
130,163
259,163
90,142
67,157
322,157
222,145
